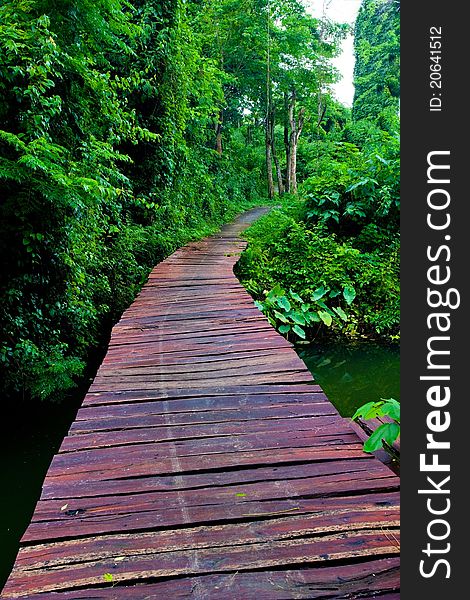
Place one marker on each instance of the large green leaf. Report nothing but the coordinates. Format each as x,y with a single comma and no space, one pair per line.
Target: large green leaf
364,411
319,293
322,304
297,317
312,317
283,302
340,312
391,408
295,296
299,331
281,317
388,432
325,317
360,184
349,293
275,293
371,410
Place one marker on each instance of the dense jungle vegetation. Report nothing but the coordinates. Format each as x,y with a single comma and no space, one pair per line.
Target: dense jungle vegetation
327,261
129,128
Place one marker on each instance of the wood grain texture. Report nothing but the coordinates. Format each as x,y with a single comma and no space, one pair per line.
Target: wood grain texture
206,463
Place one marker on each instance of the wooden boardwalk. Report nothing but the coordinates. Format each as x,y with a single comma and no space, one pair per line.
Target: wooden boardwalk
205,463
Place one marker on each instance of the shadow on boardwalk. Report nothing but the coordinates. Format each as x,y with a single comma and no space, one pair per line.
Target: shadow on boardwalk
206,463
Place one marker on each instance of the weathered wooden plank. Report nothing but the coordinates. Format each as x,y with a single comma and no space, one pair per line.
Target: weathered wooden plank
209,315
147,433
208,403
357,580
199,387
188,309
214,461
183,374
256,364
150,512
110,398
343,546
250,357
188,330
216,450
245,496
240,367
126,545
157,417
157,382
193,345
183,358
177,481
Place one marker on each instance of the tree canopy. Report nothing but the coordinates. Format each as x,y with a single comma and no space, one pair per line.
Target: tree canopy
377,68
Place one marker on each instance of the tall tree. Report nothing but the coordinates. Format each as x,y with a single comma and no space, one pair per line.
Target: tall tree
377,67
267,50
269,118
304,74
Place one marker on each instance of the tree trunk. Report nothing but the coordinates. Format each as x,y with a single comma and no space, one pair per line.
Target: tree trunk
296,123
269,164
280,183
293,168
292,165
218,132
286,140
321,111
269,114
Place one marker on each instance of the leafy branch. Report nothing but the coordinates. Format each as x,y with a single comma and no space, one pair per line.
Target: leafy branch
387,432
288,312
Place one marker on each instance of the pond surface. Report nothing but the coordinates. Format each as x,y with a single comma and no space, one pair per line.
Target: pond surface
31,436
355,373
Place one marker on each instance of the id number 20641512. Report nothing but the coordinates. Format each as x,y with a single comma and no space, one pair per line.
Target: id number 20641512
435,68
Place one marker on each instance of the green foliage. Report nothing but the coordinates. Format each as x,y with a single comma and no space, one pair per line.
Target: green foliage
377,67
106,165
342,235
290,313
287,253
352,188
387,432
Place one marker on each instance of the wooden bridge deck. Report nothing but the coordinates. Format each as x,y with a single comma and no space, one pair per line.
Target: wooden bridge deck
205,463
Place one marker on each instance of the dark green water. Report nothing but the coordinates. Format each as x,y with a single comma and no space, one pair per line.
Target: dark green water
31,435
353,374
